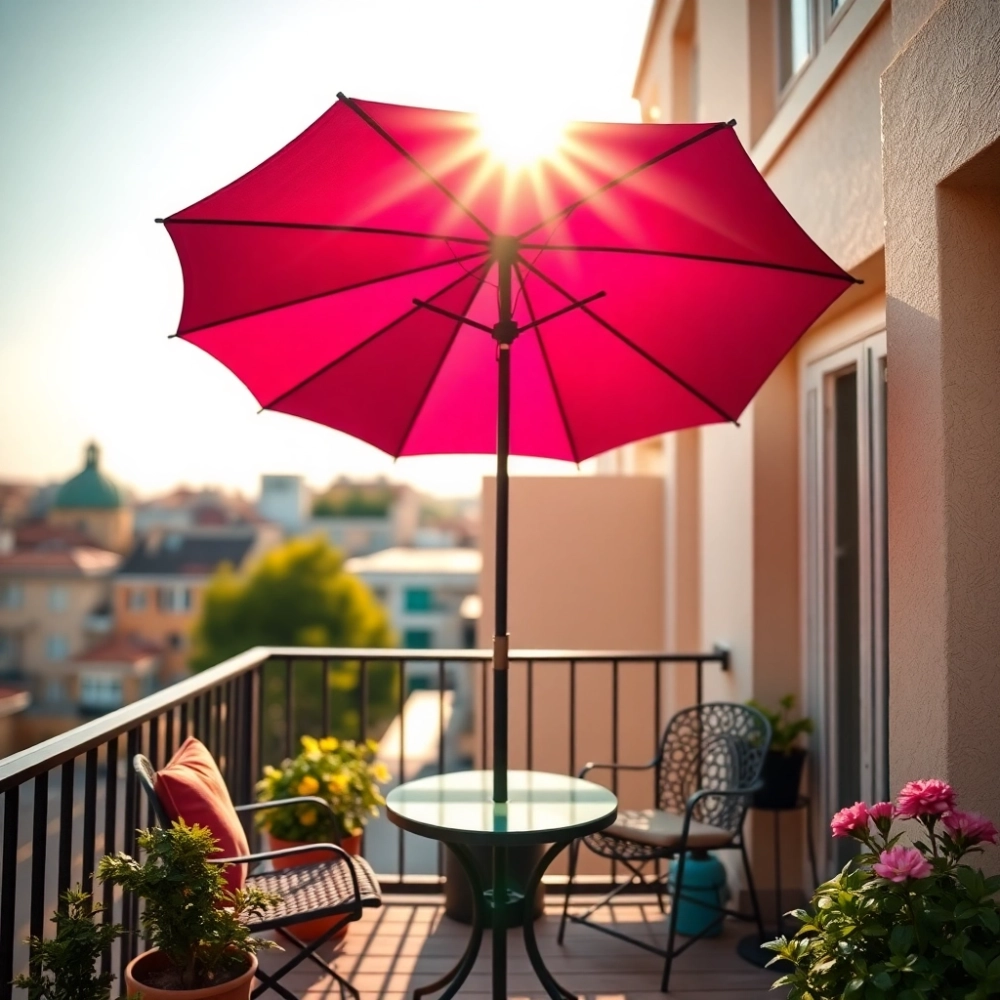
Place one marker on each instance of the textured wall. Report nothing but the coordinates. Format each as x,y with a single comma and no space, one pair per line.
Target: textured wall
941,109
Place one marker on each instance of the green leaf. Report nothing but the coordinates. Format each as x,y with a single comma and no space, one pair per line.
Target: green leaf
883,981
973,964
901,939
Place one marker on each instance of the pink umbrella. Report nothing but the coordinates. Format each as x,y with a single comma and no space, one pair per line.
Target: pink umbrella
385,275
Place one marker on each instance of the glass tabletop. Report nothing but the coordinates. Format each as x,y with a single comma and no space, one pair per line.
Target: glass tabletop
542,808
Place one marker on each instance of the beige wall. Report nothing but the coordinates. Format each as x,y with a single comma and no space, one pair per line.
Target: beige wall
586,573
941,125
109,528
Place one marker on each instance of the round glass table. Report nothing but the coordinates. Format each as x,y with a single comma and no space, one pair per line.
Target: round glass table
458,810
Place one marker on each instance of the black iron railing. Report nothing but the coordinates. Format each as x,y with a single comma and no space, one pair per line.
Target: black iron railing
70,800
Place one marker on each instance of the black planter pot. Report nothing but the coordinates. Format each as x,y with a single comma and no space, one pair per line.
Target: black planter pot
782,776
521,863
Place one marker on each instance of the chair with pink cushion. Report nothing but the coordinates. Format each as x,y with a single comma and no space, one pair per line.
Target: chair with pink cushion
191,787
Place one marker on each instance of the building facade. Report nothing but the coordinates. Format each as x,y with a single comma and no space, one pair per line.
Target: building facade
843,541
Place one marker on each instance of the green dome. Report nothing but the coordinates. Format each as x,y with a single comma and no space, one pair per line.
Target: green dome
89,488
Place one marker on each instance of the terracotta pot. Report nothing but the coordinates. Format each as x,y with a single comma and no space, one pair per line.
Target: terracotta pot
309,930
149,961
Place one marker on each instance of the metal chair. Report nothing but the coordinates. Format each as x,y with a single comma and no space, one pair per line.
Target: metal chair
343,886
707,769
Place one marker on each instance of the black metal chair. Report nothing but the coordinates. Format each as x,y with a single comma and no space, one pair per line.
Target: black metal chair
343,886
707,769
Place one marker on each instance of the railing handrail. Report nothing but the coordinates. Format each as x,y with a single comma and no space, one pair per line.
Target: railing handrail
45,756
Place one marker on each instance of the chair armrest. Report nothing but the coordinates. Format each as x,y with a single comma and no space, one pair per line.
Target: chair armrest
705,793
591,766
334,849
275,803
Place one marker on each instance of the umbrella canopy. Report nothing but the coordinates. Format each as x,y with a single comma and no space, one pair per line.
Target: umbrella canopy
386,275
301,278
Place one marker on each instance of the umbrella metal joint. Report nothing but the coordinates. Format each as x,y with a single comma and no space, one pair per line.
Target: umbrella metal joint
504,249
505,332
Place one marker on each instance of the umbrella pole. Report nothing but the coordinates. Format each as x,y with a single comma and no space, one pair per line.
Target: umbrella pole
504,333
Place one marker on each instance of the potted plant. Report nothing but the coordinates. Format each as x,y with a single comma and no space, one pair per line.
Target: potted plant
907,918
202,946
782,772
344,775
63,967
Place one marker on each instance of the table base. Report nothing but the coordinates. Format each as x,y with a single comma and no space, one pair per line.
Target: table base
451,982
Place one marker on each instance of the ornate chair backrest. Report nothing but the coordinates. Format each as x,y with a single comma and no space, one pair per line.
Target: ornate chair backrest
147,779
717,746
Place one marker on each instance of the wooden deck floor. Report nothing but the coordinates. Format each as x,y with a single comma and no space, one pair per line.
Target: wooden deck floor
409,943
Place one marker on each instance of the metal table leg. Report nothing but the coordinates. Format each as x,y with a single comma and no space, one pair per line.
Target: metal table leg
455,977
552,986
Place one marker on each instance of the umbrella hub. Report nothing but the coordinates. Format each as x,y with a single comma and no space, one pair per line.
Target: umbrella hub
504,249
504,332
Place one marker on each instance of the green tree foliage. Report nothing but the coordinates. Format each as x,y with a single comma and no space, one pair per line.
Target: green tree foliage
300,595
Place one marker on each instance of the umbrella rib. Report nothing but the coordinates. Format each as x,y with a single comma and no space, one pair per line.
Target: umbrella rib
325,227
440,364
614,182
357,347
367,118
548,366
707,258
330,292
631,343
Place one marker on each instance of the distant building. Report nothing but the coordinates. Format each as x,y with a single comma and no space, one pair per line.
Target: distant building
159,591
113,673
51,599
423,591
92,503
284,500
360,518
184,508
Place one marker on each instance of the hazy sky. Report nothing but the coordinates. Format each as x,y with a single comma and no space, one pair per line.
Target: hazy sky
114,113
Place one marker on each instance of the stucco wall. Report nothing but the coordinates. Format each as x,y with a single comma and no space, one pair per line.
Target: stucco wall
941,109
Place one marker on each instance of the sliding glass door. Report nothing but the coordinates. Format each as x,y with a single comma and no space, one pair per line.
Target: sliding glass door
846,580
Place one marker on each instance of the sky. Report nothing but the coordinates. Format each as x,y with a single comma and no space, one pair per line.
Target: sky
114,113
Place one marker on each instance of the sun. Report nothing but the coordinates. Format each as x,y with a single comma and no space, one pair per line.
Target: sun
520,135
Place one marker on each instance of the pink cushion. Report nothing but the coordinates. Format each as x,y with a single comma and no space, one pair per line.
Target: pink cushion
191,788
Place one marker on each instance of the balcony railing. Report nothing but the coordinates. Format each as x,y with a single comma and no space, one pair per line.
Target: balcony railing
70,800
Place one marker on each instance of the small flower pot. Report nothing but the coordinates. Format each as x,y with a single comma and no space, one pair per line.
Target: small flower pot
309,930
782,775
150,962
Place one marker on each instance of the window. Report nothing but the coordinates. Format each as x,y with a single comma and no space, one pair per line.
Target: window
100,693
418,638
176,599
58,598
11,596
55,691
175,640
135,599
56,647
8,650
418,599
794,38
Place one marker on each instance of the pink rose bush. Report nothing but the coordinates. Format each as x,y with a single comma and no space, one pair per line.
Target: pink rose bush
908,918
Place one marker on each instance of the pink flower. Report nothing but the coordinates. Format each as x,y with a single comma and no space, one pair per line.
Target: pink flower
902,863
850,820
972,827
925,798
882,810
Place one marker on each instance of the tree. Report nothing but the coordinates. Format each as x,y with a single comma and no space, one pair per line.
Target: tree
300,595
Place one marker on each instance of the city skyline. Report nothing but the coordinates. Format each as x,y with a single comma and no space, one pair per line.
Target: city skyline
116,115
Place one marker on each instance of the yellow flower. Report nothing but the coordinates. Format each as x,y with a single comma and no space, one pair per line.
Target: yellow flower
307,817
338,784
328,744
308,786
372,745
380,773
310,743
271,772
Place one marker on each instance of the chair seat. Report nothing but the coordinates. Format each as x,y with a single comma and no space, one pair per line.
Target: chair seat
656,828
317,890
